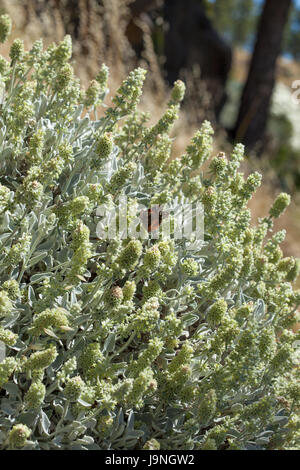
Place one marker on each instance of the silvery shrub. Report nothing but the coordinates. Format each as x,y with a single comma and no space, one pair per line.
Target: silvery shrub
133,342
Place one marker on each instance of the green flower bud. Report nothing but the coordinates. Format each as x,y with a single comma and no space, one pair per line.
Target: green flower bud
12,289
18,436
159,199
73,388
104,146
236,183
63,52
293,391
184,356
80,236
192,187
237,155
79,262
152,289
218,164
130,255
282,359
17,50
260,409
67,369
248,262
152,259
50,318
209,197
8,337
76,309
31,191
275,254
92,94
65,151
37,375
7,368
102,76
244,312
63,78
190,267
42,359
286,265
178,91
4,66
129,290
279,237
152,444
123,389
164,125
142,385
5,304
248,237
294,272
36,51
207,408
114,296
267,343
90,356
18,250
280,204
5,27
218,434
168,253
35,396
146,317
180,377
79,205
128,95
200,147
121,177
250,186
146,357
216,312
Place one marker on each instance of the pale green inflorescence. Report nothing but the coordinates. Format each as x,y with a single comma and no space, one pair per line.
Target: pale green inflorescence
133,342
7,368
35,396
73,388
50,318
5,27
17,50
5,304
8,337
18,436
41,359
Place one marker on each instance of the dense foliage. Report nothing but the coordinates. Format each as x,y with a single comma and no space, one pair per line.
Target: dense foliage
132,343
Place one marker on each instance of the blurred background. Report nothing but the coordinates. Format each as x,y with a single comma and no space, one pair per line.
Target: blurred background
240,60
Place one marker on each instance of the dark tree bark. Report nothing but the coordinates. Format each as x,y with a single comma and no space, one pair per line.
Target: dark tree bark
256,98
139,9
192,40
142,6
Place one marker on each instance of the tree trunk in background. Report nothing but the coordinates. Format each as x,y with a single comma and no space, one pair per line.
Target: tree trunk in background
142,6
191,40
256,98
